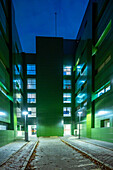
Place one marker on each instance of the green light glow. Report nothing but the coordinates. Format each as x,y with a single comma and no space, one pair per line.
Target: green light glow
102,87
95,94
6,92
74,68
94,50
102,37
105,32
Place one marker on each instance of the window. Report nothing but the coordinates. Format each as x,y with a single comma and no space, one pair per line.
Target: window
104,89
18,69
100,92
17,83
31,69
18,97
31,97
66,70
33,111
66,84
18,111
105,123
107,88
31,83
3,127
67,98
66,111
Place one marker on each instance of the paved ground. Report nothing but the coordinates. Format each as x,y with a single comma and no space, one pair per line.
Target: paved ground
9,149
106,145
52,154
102,151
20,159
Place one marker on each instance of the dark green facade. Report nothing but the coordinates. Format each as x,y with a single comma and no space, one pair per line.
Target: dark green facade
10,57
49,86
52,53
93,70
90,59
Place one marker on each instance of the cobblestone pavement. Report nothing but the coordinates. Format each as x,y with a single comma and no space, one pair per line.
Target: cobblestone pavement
52,154
17,161
9,149
99,152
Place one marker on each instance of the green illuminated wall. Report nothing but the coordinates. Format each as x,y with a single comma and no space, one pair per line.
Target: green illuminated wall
49,86
9,42
97,27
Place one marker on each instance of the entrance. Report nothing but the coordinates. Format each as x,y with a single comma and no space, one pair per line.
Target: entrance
32,130
67,129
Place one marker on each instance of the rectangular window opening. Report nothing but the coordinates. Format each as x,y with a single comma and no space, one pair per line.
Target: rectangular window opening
31,97
67,70
31,69
66,97
31,83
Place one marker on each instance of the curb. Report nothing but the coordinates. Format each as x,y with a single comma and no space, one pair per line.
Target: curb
108,167
4,161
28,157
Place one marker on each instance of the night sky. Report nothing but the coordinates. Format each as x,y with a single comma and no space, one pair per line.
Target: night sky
37,18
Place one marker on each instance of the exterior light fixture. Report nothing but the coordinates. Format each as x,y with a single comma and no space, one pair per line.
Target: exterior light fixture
79,114
25,113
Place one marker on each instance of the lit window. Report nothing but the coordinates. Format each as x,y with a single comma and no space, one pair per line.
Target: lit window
17,83
66,84
67,70
105,123
67,98
104,88
31,69
31,83
3,127
66,111
18,112
100,92
107,88
33,111
17,69
31,98
18,97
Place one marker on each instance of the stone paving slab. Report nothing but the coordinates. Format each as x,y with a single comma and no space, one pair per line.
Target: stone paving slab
104,155
9,149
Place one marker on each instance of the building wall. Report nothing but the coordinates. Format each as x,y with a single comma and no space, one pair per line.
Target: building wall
103,73
69,47
8,38
83,74
49,86
95,49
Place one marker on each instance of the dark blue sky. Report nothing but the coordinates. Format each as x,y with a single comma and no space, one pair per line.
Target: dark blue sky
37,17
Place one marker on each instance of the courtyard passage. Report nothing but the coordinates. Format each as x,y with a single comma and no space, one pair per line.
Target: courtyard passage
53,154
